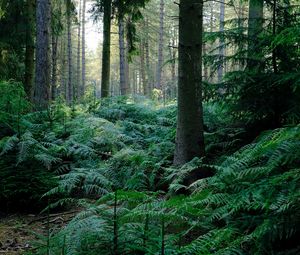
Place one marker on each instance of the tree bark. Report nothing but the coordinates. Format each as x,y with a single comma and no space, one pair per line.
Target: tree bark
142,68
240,29
70,97
255,27
62,69
29,54
54,66
173,89
160,45
147,53
189,136
106,49
123,60
78,83
221,45
274,52
83,49
42,74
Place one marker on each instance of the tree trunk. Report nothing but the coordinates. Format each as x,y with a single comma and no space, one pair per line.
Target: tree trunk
123,60
205,74
274,52
54,66
142,68
173,89
221,46
211,29
70,73
160,45
240,29
147,52
83,49
134,81
29,54
190,137
78,83
106,49
42,74
255,27
62,69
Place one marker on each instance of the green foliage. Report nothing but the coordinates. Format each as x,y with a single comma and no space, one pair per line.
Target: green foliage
26,170
115,161
252,201
266,97
12,103
12,39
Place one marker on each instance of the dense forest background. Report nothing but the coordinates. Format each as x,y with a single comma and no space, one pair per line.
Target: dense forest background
158,127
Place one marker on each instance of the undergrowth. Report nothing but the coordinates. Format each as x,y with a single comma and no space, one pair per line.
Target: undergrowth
113,160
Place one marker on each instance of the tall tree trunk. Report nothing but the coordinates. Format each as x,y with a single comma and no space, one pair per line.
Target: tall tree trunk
160,45
204,52
70,67
83,48
62,69
54,66
274,52
127,63
221,46
106,49
147,53
173,89
42,74
134,81
142,68
123,60
78,83
29,54
255,27
190,137
211,29
241,30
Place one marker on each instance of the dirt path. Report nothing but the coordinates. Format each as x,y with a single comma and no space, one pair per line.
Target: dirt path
18,232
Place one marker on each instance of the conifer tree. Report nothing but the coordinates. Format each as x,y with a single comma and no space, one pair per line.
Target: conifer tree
42,70
29,54
107,10
190,137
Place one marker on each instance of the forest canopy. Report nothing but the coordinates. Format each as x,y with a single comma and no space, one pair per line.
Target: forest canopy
149,127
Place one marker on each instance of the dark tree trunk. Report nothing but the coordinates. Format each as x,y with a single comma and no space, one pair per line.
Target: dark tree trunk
147,56
42,73
62,69
123,59
78,73
106,49
190,137
255,27
240,28
160,45
142,67
173,52
70,96
274,53
83,48
54,66
221,45
29,54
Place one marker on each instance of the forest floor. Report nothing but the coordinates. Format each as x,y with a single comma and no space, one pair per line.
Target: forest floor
19,232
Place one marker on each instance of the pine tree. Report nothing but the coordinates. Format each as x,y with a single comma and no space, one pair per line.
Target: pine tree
29,54
190,137
70,89
83,75
107,9
42,70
